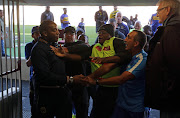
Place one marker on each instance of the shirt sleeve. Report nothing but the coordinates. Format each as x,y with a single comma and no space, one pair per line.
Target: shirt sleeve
127,30
137,66
81,49
119,47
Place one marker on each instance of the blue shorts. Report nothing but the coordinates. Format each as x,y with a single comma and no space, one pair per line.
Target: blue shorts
122,113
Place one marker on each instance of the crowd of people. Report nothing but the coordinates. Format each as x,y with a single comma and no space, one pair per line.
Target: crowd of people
127,69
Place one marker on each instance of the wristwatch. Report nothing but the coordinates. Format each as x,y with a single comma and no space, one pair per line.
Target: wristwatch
71,79
97,81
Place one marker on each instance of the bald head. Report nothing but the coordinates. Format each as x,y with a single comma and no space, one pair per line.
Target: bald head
119,17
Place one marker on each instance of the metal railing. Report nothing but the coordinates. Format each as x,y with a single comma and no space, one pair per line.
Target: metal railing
10,67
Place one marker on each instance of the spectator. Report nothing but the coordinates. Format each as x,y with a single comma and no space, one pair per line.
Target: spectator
135,18
148,31
121,26
28,47
79,92
79,31
52,97
137,26
154,23
84,38
100,17
162,69
2,32
118,34
125,19
131,22
130,101
47,15
81,24
64,19
113,14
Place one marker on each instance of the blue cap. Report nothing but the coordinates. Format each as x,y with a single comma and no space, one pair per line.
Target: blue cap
35,29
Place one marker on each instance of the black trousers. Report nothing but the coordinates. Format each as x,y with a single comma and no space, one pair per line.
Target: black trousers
104,102
80,100
52,102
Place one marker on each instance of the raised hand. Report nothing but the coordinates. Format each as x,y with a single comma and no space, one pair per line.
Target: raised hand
58,51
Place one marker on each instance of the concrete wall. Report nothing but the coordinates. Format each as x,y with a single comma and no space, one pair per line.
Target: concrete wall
24,68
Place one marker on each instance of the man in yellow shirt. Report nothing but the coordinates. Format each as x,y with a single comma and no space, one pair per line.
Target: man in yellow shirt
113,14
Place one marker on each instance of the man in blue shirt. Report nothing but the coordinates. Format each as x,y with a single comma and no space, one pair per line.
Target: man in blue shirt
130,101
121,26
28,47
81,24
64,19
154,22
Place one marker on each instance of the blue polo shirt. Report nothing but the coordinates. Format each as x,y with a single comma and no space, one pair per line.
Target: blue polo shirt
28,48
123,28
131,93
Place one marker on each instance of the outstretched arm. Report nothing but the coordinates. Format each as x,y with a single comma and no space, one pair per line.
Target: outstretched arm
117,80
105,68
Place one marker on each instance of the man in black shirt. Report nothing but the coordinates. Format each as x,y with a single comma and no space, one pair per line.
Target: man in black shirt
52,97
79,92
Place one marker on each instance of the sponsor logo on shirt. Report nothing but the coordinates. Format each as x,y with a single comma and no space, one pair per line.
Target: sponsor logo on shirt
98,48
107,48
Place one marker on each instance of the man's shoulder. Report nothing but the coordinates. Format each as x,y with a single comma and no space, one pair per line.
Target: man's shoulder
29,44
173,27
118,41
62,15
44,13
40,45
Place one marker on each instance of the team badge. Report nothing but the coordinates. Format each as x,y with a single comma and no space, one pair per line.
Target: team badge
43,110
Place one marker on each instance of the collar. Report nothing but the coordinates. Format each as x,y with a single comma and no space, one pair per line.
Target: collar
172,20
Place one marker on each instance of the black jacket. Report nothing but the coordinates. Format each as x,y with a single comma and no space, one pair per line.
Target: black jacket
162,69
49,69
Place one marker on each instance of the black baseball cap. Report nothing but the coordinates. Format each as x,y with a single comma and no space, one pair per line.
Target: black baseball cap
35,29
69,29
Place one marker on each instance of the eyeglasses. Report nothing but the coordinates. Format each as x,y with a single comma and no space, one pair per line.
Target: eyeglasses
158,10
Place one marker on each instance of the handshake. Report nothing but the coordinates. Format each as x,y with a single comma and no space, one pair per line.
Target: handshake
84,80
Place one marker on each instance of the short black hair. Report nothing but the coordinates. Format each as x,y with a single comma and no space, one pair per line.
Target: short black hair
141,38
45,26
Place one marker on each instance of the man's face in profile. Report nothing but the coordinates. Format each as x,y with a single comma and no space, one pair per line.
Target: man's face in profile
52,33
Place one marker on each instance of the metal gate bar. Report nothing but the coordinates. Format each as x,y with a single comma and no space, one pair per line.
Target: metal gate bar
11,93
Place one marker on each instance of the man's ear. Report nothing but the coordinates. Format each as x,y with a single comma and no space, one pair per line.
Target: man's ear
168,10
136,43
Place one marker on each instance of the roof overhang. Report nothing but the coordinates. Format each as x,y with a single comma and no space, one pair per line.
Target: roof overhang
89,2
